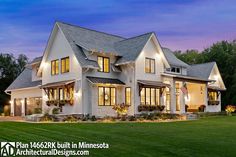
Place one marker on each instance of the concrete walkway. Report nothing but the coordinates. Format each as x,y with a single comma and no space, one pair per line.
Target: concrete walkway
11,119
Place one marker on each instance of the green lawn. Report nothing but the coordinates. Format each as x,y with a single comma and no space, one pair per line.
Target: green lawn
210,137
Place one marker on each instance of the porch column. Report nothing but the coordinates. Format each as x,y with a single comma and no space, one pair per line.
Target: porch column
182,99
172,98
23,101
206,97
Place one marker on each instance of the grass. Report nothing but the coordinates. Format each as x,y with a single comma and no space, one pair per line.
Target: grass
214,136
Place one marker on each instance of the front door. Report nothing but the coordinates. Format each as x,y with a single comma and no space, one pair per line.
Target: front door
18,107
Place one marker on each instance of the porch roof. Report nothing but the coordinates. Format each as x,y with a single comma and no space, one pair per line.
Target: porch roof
153,83
215,88
56,84
96,80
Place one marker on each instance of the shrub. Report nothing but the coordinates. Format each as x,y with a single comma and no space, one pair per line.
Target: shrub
229,109
123,118
150,108
6,110
47,118
70,119
201,108
132,118
93,118
121,109
37,110
56,110
85,117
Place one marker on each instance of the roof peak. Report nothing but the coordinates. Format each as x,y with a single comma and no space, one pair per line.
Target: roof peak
59,22
137,36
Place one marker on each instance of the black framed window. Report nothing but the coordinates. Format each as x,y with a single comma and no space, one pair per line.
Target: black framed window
150,96
149,65
106,96
65,65
55,67
128,96
104,64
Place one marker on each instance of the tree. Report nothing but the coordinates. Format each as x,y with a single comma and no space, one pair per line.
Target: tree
10,68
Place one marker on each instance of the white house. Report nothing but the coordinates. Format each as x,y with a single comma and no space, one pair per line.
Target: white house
84,71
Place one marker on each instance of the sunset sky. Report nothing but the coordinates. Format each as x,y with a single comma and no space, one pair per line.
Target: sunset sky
25,25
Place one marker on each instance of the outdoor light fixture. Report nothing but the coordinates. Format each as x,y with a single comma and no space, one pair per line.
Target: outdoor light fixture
11,102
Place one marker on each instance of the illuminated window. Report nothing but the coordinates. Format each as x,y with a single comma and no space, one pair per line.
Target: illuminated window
66,93
150,96
106,96
212,96
167,99
150,65
65,65
104,64
55,67
53,94
128,96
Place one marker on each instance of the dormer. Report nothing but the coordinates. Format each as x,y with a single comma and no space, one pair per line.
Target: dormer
177,67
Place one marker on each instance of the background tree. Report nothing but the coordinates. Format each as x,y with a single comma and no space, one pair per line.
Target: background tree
10,68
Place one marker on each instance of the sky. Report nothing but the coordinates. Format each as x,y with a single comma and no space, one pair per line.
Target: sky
25,25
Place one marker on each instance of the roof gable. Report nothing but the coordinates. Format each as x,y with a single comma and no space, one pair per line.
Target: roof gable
201,70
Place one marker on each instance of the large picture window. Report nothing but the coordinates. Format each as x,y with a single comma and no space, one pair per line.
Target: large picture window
55,67
106,96
149,65
65,65
128,96
150,96
104,64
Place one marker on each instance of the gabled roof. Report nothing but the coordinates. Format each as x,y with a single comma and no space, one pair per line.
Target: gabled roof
24,80
130,48
172,59
201,70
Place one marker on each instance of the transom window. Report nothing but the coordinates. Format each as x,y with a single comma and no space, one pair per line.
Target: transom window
128,96
150,96
65,65
106,96
55,67
104,64
149,65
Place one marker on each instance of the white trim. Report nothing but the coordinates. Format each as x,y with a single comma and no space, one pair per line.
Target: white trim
19,89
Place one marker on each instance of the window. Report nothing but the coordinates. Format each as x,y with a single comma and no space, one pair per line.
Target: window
53,94
150,65
106,96
65,65
212,96
167,99
174,70
150,96
128,96
55,67
104,64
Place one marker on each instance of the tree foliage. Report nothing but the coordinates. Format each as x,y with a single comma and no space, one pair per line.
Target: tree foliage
224,54
10,68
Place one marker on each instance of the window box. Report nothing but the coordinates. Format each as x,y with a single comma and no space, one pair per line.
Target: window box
52,102
150,108
64,102
212,102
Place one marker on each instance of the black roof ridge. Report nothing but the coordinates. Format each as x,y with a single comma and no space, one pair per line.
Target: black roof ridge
91,29
203,63
135,37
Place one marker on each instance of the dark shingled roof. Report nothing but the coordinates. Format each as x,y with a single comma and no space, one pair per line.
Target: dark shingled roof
24,80
172,59
202,71
104,80
130,48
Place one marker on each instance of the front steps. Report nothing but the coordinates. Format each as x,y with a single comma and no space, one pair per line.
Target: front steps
190,116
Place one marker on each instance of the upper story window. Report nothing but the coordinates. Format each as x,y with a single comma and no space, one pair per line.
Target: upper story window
149,65
55,67
174,69
104,64
65,65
